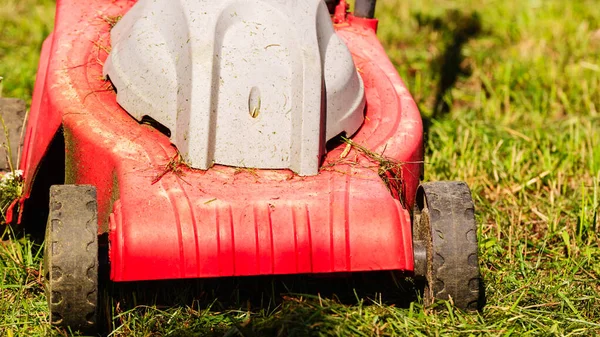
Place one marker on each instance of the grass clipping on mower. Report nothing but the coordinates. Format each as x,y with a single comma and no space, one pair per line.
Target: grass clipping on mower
176,165
388,169
112,20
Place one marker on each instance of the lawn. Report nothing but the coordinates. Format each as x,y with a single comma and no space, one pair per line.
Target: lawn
510,94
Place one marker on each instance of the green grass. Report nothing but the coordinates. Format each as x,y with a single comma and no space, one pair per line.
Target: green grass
511,93
23,27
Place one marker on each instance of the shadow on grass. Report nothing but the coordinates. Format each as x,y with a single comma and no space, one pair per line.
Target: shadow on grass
279,305
456,28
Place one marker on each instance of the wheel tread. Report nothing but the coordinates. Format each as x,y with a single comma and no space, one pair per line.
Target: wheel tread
74,254
454,242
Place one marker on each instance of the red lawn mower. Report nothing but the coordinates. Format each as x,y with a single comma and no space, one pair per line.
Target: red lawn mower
228,138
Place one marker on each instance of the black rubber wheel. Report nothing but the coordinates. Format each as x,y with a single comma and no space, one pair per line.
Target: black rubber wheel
71,258
444,224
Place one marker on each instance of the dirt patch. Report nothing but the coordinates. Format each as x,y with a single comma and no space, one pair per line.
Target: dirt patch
13,111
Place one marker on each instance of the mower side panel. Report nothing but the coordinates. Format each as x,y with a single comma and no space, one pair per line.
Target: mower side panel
398,124
168,221
43,122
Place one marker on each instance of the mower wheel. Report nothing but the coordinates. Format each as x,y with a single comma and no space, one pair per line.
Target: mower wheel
71,257
445,230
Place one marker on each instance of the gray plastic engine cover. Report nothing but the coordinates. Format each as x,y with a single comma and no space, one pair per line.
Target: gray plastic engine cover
248,83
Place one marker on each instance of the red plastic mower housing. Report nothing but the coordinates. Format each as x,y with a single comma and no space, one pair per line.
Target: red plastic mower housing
167,221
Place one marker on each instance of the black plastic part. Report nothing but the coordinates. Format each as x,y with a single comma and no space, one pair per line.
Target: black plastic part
365,8
444,222
331,5
71,258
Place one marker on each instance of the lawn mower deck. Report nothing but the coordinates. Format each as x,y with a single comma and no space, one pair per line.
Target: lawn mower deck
166,220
